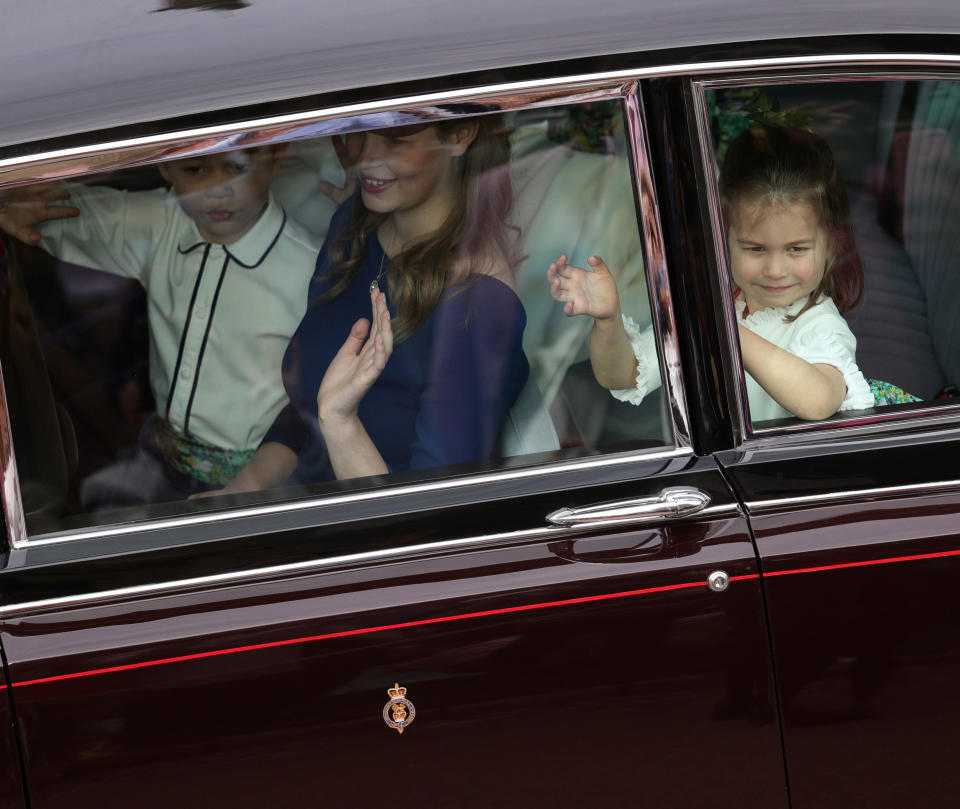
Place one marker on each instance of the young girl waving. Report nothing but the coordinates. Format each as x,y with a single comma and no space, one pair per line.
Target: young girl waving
410,354
795,269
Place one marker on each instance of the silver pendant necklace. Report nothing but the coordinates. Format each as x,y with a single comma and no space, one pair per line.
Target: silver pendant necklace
375,283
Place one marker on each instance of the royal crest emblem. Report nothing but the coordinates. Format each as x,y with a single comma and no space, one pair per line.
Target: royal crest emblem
399,712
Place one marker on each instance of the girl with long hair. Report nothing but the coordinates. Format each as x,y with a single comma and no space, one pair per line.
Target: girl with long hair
795,270
417,274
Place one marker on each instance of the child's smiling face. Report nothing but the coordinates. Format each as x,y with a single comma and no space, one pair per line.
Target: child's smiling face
408,169
224,194
778,252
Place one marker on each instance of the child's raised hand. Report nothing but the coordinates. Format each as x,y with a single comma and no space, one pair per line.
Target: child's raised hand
348,151
357,365
22,208
584,292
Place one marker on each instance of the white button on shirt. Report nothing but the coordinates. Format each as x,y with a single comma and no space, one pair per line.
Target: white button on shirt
220,316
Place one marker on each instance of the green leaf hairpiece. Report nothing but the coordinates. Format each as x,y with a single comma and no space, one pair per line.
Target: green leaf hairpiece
761,111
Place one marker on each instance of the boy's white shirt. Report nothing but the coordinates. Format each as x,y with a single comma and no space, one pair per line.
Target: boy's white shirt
230,364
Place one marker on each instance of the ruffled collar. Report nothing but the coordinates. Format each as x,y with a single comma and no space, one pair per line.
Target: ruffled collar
771,314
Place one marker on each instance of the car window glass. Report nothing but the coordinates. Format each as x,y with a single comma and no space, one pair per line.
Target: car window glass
894,342
168,326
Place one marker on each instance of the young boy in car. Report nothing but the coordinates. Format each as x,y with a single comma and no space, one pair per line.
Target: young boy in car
226,275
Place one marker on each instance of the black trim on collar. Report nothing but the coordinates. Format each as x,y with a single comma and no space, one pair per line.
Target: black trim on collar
283,224
192,247
226,249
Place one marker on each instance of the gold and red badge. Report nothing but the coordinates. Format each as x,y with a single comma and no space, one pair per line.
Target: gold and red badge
399,712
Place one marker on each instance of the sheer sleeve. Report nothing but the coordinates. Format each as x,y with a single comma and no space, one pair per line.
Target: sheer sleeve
477,370
644,346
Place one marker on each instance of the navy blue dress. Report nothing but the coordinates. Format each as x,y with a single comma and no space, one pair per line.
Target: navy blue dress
445,391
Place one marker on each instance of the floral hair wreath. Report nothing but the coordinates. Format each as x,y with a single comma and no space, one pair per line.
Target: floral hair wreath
733,110
761,111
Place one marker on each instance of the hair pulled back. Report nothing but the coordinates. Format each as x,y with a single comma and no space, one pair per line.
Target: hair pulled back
474,238
778,165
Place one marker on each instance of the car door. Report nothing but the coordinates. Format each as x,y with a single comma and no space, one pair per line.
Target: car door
857,519
556,666
580,626
858,570
11,792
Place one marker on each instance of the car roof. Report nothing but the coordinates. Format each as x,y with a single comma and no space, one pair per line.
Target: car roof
73,67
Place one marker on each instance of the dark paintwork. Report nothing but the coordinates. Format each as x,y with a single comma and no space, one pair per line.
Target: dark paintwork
11,794
868,657
72,67
661,698
565,706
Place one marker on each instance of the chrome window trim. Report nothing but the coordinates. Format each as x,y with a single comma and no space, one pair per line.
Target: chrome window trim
776,503
737,384
364,117
658,281
314,565
61,163
13,514
836,426
245,577
112,155
305,504
944,416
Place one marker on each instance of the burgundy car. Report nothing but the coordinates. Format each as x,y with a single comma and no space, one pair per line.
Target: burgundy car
664,604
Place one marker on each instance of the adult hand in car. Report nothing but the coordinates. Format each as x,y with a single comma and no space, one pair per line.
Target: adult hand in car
22,208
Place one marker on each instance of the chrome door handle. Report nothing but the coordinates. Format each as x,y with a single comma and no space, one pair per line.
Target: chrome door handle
672,502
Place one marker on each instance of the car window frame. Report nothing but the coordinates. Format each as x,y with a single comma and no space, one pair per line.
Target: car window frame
94,154
108,156
883,420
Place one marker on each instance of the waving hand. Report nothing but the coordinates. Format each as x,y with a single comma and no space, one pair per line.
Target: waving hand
584,292
22,208
348,151
356,366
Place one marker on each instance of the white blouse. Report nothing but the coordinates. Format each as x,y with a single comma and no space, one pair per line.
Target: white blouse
220,316
819,335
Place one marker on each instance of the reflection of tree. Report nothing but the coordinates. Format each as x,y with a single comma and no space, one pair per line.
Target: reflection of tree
203,5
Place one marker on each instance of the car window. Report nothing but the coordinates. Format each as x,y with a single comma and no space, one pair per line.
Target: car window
330,314
889,337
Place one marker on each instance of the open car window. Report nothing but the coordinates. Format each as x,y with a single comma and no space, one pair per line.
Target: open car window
895,342
185,318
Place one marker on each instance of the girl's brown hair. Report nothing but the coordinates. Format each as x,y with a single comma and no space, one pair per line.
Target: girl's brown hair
474,238
774,165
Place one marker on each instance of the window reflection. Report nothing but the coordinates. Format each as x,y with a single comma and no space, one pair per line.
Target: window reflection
275,321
